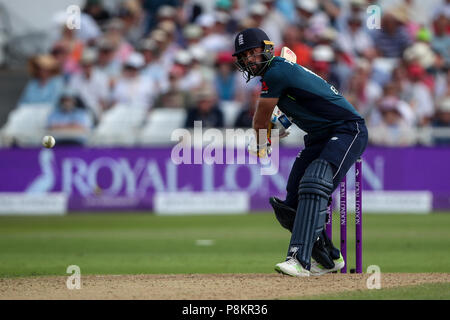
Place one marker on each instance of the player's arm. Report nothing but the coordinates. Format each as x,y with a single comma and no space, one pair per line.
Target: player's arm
261,119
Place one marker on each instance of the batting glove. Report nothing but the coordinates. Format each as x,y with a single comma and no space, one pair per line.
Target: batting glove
281,122
260,150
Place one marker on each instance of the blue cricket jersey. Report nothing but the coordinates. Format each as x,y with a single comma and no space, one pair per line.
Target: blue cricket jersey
314,105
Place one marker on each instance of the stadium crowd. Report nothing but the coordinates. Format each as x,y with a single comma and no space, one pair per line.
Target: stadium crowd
176,54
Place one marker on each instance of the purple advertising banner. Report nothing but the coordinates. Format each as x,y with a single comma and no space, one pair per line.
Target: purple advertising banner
127,179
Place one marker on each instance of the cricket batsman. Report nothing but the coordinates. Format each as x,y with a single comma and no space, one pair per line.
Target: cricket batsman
336,137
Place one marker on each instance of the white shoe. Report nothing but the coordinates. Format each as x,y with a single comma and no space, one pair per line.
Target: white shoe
318,270
292,268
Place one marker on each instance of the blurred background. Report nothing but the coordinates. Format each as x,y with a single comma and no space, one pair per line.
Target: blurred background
112,81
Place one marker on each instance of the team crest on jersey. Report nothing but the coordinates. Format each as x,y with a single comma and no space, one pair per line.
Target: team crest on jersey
264,88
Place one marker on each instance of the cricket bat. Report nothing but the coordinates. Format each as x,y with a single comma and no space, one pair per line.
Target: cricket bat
289,55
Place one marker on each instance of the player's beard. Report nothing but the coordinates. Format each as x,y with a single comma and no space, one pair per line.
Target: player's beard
251,70
254,68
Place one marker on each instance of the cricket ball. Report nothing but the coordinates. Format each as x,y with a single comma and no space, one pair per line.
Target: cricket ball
48,142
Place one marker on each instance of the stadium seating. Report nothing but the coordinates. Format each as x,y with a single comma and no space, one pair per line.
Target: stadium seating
159,126
230,110
119,126
26,125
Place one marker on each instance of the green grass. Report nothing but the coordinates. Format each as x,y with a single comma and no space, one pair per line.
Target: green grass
144,243
430,291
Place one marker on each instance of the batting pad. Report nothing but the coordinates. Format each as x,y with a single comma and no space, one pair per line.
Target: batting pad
315,189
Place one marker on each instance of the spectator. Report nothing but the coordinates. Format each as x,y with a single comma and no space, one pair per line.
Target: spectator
444,7
70,123
167,47
185,49
174,97
246,24
167,12
354,40
293,38
420,53
87,32
406,110
326,36
274,22
192,35
97,11
45,85
166,37
245,117
61,52
188,11
355,9
333,10
115,33
90,30
248,87
130,13
238,10
171,16
322,64
91,84
106,62
226,78
155,9
68,50
132,89
227,7
201,64
442,84
342,64
419,95
400,81
393,129
391,91
414,15
309,15
174,36
257,12
192,79
153,68
441,39
205,109
442,120
215,36
392,39
363,92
